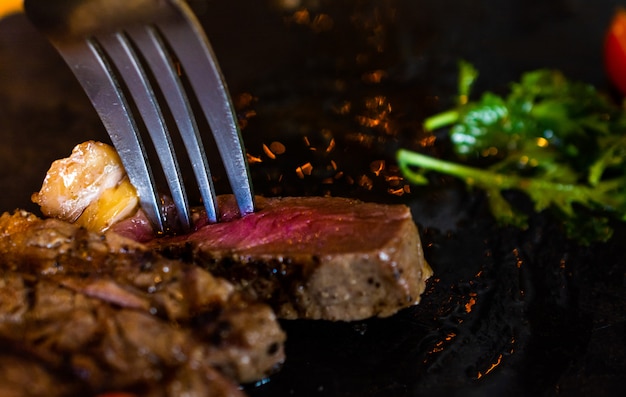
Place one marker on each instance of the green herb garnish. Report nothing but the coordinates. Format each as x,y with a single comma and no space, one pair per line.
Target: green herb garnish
561,142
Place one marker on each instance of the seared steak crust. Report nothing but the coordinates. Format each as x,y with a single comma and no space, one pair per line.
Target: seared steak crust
314,257
116,316
25,375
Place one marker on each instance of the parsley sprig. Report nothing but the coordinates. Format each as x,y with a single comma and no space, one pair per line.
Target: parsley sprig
560,142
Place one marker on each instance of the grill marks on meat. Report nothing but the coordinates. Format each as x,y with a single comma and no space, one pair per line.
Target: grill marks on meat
313,257
116,316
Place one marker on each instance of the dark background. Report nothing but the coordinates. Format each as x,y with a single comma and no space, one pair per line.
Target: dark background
284,64
548,316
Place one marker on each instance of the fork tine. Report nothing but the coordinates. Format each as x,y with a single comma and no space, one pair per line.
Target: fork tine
98,80
129,67
157,57
193,50
98,39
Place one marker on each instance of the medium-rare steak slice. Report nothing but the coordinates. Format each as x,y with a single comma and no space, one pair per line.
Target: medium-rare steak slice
313,257
118,316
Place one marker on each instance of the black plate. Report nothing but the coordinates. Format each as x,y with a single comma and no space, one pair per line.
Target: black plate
508,311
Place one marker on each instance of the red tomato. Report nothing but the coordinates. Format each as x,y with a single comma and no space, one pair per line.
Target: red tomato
615,51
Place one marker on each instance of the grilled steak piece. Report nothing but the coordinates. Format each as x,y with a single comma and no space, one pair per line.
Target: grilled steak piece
118,316
23,375
313,257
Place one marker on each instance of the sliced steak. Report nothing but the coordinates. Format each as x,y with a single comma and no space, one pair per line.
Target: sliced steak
313,257
120,317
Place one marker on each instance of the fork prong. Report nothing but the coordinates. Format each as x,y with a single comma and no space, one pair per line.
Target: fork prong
93,35
123,56
192,48
98,80
157,57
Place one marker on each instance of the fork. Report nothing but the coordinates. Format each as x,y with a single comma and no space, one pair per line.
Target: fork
112,46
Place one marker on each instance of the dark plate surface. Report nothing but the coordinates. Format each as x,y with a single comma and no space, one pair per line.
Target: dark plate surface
508,312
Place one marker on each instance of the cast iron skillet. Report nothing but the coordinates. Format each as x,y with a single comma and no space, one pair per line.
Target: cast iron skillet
508,312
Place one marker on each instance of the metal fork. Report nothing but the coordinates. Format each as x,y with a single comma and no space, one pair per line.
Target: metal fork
112,46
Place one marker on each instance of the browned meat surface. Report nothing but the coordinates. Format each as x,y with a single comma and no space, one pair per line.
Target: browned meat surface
22,375
314,257
116,316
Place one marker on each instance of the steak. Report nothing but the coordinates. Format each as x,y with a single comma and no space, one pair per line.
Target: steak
312,257
104,313
24,375
91,313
